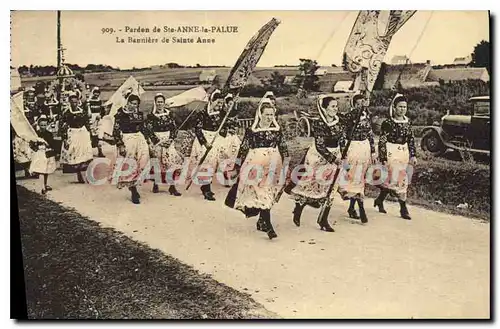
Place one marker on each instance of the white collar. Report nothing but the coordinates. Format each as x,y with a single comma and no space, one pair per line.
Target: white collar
127,111
79,110
405,120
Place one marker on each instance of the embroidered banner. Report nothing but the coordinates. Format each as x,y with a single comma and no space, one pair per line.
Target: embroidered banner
369,40
19,121
248,59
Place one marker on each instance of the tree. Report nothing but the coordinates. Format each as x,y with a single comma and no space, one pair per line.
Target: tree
481,55
80,77
307,80
276,80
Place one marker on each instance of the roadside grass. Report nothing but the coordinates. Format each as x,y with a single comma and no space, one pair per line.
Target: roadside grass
75,269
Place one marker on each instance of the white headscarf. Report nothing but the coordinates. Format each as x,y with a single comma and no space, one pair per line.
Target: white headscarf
94,90
267,96
258,116
210,100
127,95
166,111
322,110
229,95
78,108
391,108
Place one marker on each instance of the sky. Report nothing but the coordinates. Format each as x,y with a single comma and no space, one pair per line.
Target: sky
319,35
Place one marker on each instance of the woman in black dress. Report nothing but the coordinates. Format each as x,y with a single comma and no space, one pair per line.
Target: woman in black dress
360,155
262,153
76,151
162,123
324,153
396,150
131,133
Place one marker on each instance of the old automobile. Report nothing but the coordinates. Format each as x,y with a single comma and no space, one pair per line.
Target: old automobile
464,133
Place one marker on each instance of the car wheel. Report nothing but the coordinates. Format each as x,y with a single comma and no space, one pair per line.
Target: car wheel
431,142
303,127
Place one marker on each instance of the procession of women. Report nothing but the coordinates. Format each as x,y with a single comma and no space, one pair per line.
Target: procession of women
138,145
253,168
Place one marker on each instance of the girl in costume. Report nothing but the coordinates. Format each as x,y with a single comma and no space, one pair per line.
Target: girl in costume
262,152
131,134
76,151
207,124
162,123
396,150
232,141
96,109
325,155
360,155
43,162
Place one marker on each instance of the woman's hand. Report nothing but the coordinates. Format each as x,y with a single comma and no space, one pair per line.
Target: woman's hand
122,151
166,144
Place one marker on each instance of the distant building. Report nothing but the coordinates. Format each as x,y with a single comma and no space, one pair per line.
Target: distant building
208,76
462,60
328,81
323,70
400,60
459,74
289,79
343,86
409,76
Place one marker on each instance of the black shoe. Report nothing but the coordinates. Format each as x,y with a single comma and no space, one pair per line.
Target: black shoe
48,188
380,204
362,215
404,210
261,225
326,227
173,191
209,196
44,191
297,212
323,221
271,234
135,195
135,199
352,213
156,189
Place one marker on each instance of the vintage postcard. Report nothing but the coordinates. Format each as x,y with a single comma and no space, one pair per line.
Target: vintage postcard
251,164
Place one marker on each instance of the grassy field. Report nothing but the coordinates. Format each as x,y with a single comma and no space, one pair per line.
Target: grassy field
67,279
165,75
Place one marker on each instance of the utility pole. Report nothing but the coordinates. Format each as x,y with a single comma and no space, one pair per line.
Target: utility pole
59,56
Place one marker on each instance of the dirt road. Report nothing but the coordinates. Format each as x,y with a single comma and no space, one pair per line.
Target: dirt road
435,266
